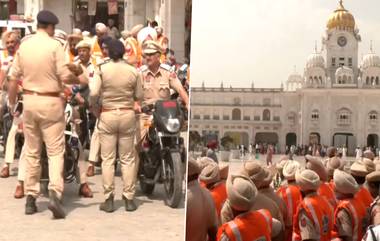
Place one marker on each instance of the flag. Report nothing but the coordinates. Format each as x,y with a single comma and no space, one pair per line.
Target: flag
92,7
112,7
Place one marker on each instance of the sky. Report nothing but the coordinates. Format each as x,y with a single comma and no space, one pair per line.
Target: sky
238,42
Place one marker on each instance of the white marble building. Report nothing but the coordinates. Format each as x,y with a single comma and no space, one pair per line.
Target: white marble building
334,102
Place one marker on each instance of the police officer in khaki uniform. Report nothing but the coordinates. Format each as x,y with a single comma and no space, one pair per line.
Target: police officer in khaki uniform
373,181
201,218
256,174
158,79
40,60
350,210
265,188
119,86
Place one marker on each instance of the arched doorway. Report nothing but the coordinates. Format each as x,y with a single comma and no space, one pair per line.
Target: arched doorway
239,138
314,138
266,115
266,137
345,139
373,140
236,114
291,139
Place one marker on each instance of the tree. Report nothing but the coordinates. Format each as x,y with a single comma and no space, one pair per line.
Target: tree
227,142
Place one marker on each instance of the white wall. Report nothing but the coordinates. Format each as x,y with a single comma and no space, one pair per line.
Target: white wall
63,10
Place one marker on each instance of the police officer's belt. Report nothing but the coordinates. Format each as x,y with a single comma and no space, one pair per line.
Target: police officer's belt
50,94
112,109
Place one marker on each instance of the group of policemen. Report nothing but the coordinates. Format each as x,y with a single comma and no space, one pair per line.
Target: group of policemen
325,199
115,78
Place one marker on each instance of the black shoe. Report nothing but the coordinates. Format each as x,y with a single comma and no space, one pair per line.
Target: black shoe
107,206
55,206
130,205
30,206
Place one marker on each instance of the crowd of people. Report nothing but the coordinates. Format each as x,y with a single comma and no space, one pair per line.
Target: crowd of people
108,79
319,201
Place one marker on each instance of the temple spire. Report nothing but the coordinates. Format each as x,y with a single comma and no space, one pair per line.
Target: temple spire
315,47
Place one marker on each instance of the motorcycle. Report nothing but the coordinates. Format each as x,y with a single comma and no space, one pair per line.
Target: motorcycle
160,155
72,147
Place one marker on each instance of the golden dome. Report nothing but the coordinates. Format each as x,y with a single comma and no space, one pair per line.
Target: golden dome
341,18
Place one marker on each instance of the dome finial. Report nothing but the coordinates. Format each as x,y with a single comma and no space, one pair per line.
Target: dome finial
341,3
295,69
371,47
316,47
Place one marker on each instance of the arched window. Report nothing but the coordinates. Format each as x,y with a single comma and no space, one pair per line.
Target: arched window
377,80
266,115
315,115
339,79
367,81
343,116
373,116
236,114
320,80
349,79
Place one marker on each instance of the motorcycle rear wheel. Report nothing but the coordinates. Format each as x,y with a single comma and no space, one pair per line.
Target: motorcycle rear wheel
174,179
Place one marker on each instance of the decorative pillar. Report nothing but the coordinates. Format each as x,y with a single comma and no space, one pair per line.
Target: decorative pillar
173,22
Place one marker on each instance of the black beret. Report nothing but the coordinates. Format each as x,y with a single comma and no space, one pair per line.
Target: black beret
47,17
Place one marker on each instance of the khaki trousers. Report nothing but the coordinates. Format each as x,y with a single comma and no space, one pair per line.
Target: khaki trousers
22,164
11,141
117,131
93,156
44,121
82,165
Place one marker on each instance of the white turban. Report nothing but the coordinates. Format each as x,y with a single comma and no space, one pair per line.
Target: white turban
290,169
241,192
101,27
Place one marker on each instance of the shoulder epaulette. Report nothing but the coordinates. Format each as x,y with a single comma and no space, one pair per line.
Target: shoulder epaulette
105,61
166,67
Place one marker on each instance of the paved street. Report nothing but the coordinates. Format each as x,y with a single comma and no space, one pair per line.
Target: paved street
152,221
235,164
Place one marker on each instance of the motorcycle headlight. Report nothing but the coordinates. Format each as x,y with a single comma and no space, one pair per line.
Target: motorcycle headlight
173,125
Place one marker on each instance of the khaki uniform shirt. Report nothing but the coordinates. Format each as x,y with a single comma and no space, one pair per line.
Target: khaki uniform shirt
118,84
261,202
344,223
90,69
307,228
201,213
157,86
40,59
269,193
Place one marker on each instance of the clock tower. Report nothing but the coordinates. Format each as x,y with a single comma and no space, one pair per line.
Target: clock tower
341,43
